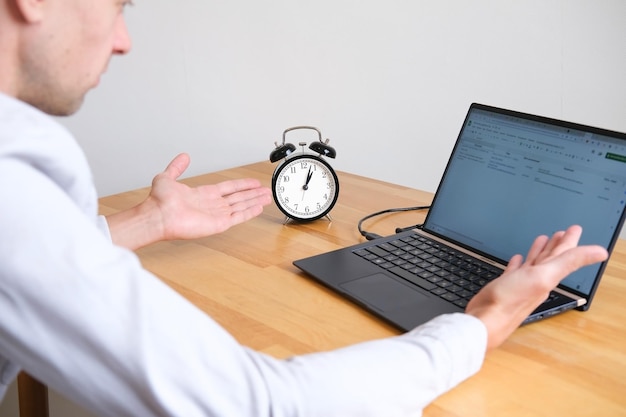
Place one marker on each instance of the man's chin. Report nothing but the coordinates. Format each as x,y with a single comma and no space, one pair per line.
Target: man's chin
54,102
62,109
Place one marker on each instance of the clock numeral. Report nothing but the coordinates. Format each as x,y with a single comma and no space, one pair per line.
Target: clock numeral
293,170
285,178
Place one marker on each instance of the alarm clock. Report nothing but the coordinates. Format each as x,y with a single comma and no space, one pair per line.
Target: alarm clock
304,185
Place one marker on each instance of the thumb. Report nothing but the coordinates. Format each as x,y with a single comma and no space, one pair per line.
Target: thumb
177,166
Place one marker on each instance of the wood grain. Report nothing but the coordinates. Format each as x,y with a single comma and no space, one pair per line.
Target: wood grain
570,365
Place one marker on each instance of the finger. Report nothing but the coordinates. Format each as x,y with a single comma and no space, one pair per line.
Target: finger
245,199
177,166
243,214
515,262
560,242
229,187
539,245
578,257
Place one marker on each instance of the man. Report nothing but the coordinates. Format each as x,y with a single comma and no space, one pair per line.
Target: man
79,313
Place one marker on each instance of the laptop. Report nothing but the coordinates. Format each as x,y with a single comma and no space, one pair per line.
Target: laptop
511,177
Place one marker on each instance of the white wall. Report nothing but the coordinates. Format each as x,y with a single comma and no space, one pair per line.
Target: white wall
387,81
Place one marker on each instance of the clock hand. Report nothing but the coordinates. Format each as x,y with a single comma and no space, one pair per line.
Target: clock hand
308,178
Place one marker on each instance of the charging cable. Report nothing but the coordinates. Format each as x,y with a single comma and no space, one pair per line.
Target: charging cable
371,236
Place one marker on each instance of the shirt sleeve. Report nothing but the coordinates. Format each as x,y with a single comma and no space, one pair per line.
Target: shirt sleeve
103,225
398,376
85,318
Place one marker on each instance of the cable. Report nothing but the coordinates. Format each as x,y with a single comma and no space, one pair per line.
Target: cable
371,236
404,229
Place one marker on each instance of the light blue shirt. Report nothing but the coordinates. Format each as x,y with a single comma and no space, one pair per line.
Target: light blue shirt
85,318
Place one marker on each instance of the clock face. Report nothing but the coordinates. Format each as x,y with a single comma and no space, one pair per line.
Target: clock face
305,187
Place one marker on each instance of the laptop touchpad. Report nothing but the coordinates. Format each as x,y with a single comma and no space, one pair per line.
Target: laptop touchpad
383,292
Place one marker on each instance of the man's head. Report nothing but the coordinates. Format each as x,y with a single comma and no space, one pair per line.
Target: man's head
54,51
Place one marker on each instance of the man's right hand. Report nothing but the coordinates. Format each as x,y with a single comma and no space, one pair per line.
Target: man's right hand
506,301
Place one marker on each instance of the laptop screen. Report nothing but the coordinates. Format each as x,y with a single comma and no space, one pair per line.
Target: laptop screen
512,177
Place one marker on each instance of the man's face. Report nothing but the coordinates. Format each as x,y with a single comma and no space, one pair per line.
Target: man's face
68,52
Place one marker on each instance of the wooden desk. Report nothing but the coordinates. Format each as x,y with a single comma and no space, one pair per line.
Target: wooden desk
570,365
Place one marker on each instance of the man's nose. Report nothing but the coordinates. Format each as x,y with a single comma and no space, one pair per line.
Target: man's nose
122,42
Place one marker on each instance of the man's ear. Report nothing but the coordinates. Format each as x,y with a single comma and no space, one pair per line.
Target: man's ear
31,11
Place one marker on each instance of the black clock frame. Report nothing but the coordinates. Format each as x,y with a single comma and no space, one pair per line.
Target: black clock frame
275,177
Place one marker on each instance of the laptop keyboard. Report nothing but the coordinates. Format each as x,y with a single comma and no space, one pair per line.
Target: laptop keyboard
448,273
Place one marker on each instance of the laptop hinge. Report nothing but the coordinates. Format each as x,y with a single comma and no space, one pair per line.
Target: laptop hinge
580,301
